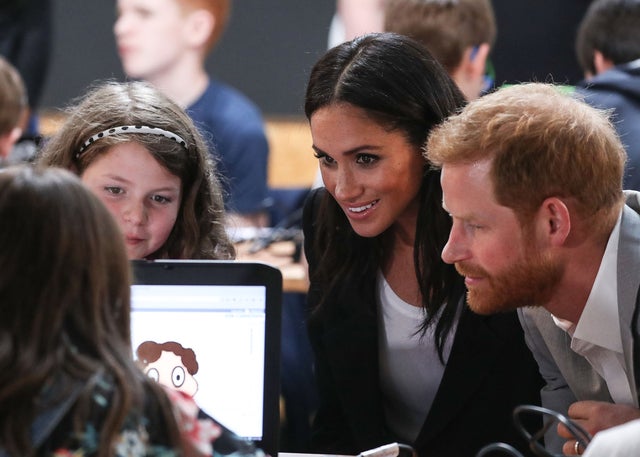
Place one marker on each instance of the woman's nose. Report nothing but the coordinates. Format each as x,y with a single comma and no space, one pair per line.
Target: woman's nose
345,185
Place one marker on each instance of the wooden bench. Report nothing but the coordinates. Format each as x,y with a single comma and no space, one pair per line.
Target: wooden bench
291,159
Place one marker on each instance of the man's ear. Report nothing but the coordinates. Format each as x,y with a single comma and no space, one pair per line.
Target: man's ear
553,221
477,58
469,74
601,63
201,24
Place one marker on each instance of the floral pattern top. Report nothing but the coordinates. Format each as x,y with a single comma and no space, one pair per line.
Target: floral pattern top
143,434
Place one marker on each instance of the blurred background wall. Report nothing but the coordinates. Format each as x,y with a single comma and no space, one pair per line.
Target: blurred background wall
267,50
270,46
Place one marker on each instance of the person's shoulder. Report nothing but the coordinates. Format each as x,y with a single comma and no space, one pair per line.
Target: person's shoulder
535,315
230,102
622,81
631,211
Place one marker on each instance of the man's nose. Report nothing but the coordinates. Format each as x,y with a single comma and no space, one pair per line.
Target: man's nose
455,250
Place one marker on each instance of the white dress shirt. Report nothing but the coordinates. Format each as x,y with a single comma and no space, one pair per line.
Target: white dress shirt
598,336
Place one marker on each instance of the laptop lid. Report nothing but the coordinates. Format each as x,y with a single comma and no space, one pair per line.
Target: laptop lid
212,330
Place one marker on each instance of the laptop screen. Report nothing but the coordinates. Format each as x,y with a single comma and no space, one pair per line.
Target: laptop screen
212,330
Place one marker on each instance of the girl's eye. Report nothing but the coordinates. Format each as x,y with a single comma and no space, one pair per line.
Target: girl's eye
366,159
114,190
160,199
322,157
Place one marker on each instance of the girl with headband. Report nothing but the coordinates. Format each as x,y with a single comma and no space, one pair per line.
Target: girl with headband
144,158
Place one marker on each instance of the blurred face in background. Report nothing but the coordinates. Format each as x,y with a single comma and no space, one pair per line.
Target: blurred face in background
151,36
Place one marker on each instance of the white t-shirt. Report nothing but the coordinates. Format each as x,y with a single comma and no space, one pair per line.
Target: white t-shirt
410,370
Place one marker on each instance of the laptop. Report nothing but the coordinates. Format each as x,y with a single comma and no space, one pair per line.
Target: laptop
212,330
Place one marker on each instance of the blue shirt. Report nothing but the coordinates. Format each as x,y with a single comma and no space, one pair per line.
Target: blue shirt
233,127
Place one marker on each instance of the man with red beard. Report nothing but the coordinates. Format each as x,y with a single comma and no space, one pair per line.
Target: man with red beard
532,179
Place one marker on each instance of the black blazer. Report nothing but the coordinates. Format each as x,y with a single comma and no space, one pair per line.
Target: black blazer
489,372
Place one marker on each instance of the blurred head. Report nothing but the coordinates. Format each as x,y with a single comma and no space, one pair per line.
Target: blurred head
153,36
220,10
65,275
65,314
526,172
612,28
84,142
371,103
13,106
458,33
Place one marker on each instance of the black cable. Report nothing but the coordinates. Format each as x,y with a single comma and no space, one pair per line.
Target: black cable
500,447
390,450
579,433
285,230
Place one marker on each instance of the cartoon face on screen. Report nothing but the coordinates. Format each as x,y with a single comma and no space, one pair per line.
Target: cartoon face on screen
170,364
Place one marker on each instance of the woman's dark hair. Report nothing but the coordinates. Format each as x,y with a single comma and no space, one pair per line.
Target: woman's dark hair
402,88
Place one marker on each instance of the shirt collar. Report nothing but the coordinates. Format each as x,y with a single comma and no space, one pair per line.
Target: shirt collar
599,323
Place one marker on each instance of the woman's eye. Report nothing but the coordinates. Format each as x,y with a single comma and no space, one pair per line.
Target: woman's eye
366,159
322,157
114,190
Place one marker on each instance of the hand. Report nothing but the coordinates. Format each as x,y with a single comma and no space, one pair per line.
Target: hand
595,416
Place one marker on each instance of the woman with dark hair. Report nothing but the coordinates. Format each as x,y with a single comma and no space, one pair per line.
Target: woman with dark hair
68,381
398,355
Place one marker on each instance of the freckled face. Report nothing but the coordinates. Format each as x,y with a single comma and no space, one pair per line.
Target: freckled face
374,174
143,196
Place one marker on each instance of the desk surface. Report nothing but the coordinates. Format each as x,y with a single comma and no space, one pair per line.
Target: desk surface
280,255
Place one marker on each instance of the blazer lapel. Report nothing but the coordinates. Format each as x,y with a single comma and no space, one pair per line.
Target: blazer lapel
473,354
352,350
629,282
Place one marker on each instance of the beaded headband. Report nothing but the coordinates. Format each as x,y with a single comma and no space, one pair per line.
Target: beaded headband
131,129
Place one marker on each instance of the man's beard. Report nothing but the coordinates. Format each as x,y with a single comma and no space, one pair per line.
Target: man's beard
530,282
